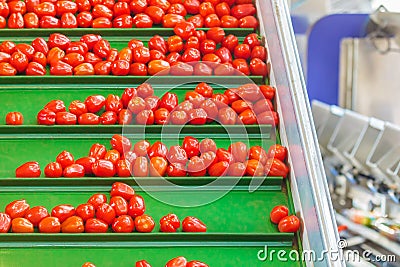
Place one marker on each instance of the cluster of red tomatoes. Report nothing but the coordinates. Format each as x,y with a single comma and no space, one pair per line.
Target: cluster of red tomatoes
126,14
175,262
125,213
287,224
93,55
193,158
247,104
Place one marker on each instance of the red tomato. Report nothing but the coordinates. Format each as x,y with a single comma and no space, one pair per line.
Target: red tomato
206,145
140,167
97,199
53,170
28,170
237,169
278,213
177,154
74,171
209,158
239,151
158,166
224,155
120,143
136,206
95,103
196,264
197,116
124,117
6,69
15,21
156,66
113,156
130,157
145,117
191,146
163,4
127,95
87,163
222,9
248,117
207,47
224,54
123,224
241,65
212,20
4,9
275,167
97,151
141,54
229,22
31,20
224,69
253,40
36,214
289,224
46,117
242,51
17,208
205,9
169,101
103,168
19,61
176,170
65,118
40,58
218,169
227,116
68,20
45,9
108,118
258,153
248,22
50,225
142,20
85,211
258,67
106,213
192,6
40,45
121,8
177,8
84,19
141,148
216,34
243,10
137,6
259,52
158,149
169,223
170,20
60,68
152,102
102,48
73,224
161,116
254,168
267,91
277,151
124,168
21,225
144,223
155,13
84,69
14,118
55,106
145,90
196,167
175,43
63,212
122,190
136,105
178,117
65,158
95,225
120,205
177,262
268,117
202,69
193,224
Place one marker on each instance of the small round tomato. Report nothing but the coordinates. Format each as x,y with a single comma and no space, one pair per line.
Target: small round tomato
104,168
140,167
17,208
177,8
178,117
170,20
239,151
158,149
156,66
218,169
85,211
289,224
36,214
248,117
169,101
53,170
35,68
137,6
258,153
141,148
106,213
254,168
65,158
21,225
19,61
197,116
248,22
73,224
152,102
258,67
175,43
113,156
29,169
136,105
161,116
74,171
84,19
144,223
236,169
120,143
207,47
241,65
242,10
136,206
145,117
242,51
77,107
207,144
206,8
46,117
119,204
88,119
124,167
14,118
196,167
177,154
176,170
95,225
50,225
142,20
216,34
87,163
62,212
155,13
158,166
192,6
193,224
6,69
124,117
202,69
97,151
65,118
15,21
191,146
169,223
278,213
97,199
123,224
212,20
227,116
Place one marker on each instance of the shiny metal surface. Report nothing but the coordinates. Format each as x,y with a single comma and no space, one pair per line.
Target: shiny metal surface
308,180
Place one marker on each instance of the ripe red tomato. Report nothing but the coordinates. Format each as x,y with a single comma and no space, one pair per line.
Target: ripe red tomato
267,91
19,61
145,117
28,170
243,10
21,225
4,9
268,117
123,224
103,168
65,118
169,101
122,190
177,154
178,117
141,148
17,208
97,199
106,213
144,223
53,170
141,54
241,65
35,68
170,20
158,149
85,211
278,213
175,43
31,20
258,67
212,20
275,167
65,158
236,169
158,166
197,116
125,117
218,169
277,151
155,13
239,151
136,206
113,156
121,143
156,66
74,171
86,163
14,118
227,116
248,117
152,102
176,170
254,168
84,19
193,224
191,146
50,225
209,158
137,6
242,51
196,264
120,205
61,68
258,153
124,167
142,20
63,212
15,21
140,167
196,167
169,223
192,6
216,34
248,22
289,224
6,69
73,224
95,225
208,46
36,214
5,222
240,105
207,144
121,8
202,69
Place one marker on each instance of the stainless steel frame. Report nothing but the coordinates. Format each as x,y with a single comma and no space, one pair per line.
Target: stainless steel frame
308,181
